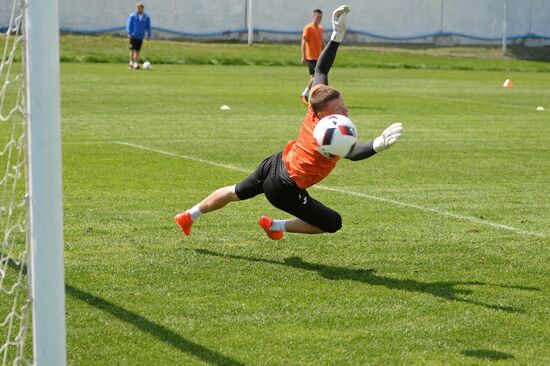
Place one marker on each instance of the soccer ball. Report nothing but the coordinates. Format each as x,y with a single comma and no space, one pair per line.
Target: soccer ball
147,65
335,135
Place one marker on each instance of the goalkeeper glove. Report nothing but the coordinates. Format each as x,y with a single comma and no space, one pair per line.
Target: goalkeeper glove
388,137
339,23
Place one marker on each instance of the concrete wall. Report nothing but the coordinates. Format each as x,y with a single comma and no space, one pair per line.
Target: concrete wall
388,18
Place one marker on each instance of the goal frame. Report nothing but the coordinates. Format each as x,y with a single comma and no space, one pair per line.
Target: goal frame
44,188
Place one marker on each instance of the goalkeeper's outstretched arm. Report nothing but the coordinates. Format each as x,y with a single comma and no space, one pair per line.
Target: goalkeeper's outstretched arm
361,150
326,59
366,149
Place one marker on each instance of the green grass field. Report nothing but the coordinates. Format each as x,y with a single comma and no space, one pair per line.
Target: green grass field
107,49
444,256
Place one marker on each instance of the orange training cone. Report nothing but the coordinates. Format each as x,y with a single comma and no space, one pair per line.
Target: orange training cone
508,83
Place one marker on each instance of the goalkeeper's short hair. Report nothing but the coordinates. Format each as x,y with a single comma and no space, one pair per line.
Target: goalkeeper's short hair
321,95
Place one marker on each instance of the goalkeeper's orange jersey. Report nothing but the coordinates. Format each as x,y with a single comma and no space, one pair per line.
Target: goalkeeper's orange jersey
305,164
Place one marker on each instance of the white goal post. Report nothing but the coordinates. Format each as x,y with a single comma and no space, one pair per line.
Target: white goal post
250,21
44,183
505,28
32,287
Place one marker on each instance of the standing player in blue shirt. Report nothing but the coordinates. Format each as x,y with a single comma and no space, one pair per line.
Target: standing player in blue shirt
138,24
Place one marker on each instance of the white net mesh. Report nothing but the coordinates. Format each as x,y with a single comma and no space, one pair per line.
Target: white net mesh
14,288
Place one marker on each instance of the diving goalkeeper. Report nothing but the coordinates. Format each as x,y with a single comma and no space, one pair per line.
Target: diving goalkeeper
284,177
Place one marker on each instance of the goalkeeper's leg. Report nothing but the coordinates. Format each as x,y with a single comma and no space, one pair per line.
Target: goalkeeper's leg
216,200
248,188
311,216
319,221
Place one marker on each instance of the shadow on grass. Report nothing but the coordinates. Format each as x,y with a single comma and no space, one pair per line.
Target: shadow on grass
446,290
159,331
13,264
487,354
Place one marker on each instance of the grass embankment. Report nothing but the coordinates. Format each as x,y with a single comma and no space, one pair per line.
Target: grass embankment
107,49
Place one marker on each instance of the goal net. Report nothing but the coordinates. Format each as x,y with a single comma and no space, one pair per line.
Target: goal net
14,289
32,313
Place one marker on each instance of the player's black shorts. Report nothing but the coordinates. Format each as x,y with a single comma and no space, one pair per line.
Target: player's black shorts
311,65
272,179
135,44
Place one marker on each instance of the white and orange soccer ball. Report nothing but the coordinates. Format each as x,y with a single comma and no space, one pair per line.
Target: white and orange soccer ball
335,135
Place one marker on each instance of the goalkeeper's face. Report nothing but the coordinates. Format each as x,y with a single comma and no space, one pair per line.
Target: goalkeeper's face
334,106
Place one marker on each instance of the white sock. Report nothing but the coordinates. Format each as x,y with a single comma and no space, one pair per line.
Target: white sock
131,63
194,212
305,93
278,225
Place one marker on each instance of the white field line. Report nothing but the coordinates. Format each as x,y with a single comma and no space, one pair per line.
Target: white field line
252,138
88,143
351,193
186,157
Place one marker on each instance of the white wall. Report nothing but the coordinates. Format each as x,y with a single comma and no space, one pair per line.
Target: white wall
389,17
393,18
181,15
540,17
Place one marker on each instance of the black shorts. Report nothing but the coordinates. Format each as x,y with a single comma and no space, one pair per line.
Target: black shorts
135,44
272,179
311,65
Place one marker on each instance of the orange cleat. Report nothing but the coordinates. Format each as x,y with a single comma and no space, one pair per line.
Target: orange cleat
184,222
265,223
304,100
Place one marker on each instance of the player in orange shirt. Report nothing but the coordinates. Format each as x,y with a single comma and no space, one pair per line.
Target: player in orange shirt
312,45
284,177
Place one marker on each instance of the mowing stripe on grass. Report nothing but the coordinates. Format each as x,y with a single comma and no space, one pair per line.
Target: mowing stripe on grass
478,102
349,192
434,210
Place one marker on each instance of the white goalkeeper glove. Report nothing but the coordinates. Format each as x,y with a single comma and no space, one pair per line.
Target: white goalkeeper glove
388,137
339,23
